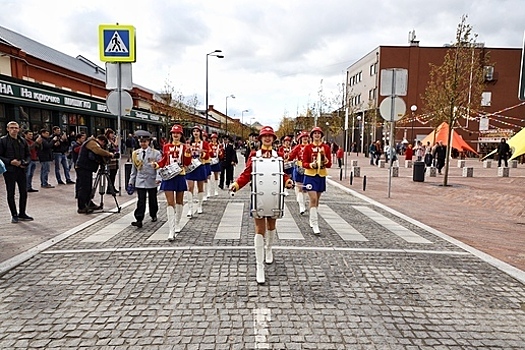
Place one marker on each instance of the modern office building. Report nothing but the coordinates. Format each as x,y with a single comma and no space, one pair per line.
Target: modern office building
499,99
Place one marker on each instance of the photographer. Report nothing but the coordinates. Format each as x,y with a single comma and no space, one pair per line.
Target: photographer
14,152
60,149
92,154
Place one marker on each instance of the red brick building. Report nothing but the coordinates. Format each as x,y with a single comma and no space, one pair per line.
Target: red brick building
500,101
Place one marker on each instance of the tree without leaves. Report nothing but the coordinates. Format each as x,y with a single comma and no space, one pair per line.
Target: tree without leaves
456,86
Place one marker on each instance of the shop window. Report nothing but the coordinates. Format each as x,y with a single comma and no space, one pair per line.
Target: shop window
46,116
72,119
81,120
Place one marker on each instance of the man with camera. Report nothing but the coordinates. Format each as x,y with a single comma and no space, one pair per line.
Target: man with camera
92,155
14,153
60,148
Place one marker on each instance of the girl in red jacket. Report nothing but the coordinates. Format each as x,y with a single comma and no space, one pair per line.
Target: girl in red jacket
200,150
264,227
298,170
316,159
174,151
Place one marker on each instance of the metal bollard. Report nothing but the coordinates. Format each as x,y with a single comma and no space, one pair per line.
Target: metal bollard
364,183
351,177
341,174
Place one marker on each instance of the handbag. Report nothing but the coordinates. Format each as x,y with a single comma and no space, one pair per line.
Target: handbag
170,171
2,167
195,163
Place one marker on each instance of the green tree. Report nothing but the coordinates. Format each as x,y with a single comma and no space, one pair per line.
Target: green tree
456,86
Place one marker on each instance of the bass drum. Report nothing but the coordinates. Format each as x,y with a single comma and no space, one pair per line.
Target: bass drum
267,187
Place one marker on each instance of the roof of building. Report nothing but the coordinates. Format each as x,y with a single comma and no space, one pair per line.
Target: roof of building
33,48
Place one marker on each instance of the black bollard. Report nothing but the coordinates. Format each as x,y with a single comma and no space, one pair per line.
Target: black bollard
351,177
341,174
364,183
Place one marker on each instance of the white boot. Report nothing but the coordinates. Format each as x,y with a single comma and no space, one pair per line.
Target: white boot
190,205
270,237
258,242
314,220
310,222
215,187
171,223
206,192
199,205
300,200
178,214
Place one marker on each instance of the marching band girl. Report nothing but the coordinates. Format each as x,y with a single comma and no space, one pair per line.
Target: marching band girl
216,155
207,166
174,151
298,170
264,227
199,150
316,159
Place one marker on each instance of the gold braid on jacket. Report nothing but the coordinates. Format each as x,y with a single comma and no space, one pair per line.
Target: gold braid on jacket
135,158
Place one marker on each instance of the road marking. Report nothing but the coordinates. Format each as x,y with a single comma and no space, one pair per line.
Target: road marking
346,231
111,230
392,226
250,248
162,233
261,319
231,222
287,228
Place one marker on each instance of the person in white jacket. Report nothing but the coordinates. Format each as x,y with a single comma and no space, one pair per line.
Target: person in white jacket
144,177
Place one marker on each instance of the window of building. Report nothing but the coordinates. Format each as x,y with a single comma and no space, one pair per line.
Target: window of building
360,76
373,68
488,73
486,98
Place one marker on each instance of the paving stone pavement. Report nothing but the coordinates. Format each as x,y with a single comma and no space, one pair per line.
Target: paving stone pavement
199,292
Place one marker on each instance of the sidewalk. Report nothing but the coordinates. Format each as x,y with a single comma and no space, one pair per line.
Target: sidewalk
484,211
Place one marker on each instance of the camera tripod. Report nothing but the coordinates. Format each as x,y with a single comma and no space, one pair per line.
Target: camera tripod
101,181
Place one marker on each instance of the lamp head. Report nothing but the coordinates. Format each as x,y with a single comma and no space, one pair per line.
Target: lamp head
413,108
219,56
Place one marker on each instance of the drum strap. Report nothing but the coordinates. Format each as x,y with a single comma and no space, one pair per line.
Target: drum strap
259,153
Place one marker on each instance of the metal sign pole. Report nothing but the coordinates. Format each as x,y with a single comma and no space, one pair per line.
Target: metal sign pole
392,112
119,143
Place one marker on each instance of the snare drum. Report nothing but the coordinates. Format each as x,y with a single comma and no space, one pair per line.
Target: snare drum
170,171
267,187
214,160
195,163
288,165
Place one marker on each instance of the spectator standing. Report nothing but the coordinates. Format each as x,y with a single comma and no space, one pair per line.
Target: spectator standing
409,153
75,146
45,157
503,152
372,153
420,151
33,155
440,154
60,149
227,163
130,145
14,152
112,146
428,154
340,154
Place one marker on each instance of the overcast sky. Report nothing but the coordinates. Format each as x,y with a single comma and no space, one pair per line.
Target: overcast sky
278,54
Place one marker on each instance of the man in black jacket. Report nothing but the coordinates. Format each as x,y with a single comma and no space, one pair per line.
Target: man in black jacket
45,156
503,152
227,164
60,148
14,152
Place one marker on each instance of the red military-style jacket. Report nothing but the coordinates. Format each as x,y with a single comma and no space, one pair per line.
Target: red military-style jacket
178,152
246,176
310,157
297,154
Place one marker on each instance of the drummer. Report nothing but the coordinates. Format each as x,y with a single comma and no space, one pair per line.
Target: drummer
174,152
316,159
264,227
298,170
198,149
284,152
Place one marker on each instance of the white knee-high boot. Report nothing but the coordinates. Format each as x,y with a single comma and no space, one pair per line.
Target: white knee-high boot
215,187
206,190
314,220
270,238
178,215
258,242
199,204
170,211
300,200
190,205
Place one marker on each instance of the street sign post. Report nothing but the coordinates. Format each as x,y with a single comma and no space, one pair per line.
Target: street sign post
394,82
117,45
521,92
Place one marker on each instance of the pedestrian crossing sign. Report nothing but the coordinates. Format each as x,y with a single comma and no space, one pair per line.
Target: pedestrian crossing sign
116,43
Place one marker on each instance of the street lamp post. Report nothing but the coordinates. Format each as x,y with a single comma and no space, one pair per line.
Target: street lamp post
327,132
413,108
213,53
232,96
242,124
